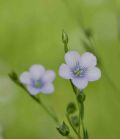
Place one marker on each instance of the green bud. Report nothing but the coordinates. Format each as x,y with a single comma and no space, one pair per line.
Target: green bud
64,37
88,32
74,120
71,108
81,97
63,129
13,76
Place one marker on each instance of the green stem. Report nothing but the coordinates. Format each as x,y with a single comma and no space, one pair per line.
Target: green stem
83,128
49,113
74,88
55,119
82,118
66,50
79,119
81,111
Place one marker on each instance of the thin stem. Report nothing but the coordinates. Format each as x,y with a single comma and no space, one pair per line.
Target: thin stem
83,128
39,102
79,119
66,49
82,117
49,113
75,91
81,111
55,119
74,88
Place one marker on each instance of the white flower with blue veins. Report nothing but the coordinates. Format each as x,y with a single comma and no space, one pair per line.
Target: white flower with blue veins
38,80
80,69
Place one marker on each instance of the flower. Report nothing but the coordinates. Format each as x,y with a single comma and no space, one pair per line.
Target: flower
38,80
80,69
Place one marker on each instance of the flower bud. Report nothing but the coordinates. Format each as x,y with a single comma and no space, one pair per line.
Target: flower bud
63,129
81,97
13,76
64,37
71,108
74,120
88,32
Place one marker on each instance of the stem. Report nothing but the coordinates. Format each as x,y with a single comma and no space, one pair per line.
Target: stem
79,119
72,126
49,113
82,117
75,91
55,119
83,128
74,88
66,49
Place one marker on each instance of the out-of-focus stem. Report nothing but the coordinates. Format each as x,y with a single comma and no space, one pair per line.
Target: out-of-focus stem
49,113
55,119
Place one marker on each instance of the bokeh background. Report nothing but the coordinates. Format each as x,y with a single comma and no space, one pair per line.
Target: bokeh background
30,33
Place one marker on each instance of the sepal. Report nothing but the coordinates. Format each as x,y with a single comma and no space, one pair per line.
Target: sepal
63,129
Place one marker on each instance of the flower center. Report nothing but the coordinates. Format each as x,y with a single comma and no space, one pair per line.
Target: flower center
77,72
37,84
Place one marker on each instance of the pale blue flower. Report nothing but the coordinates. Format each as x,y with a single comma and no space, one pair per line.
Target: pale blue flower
38,80
80,69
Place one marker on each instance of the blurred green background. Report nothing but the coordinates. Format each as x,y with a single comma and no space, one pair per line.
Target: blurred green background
30,33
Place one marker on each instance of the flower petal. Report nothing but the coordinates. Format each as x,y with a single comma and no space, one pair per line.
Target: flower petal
93,74
48,76
48,88
80,83
25,78
37,71
32,90
88,60
64,71
72,58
